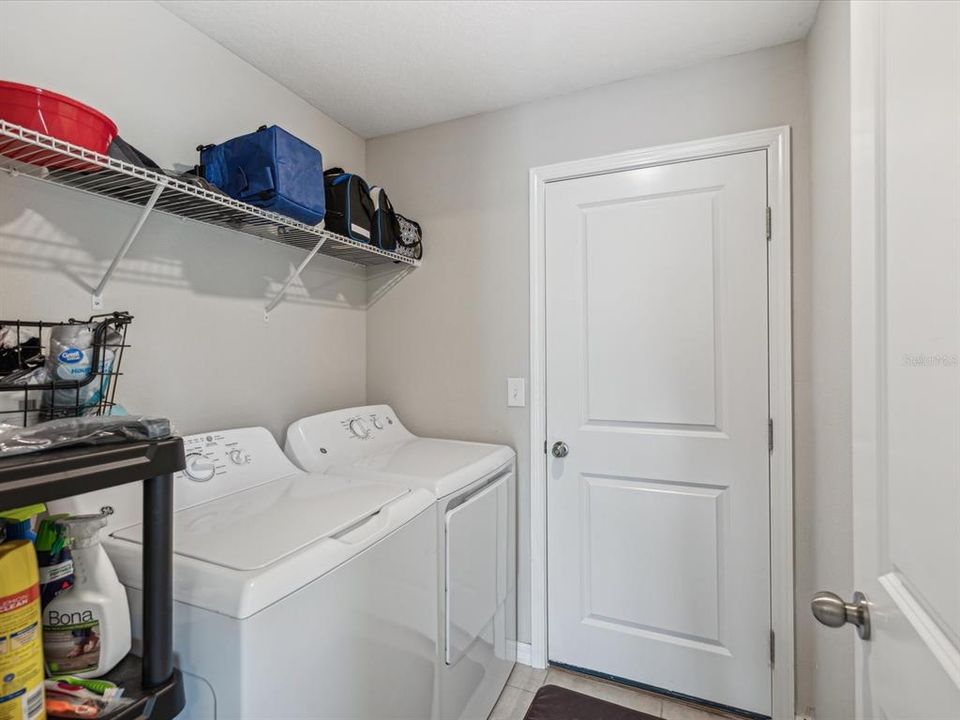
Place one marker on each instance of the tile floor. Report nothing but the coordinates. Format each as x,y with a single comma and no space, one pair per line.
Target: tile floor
525,681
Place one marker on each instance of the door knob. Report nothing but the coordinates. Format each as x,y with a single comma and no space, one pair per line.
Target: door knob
830,609
560,449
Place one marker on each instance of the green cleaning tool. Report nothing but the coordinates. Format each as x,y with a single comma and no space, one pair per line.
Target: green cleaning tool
97,686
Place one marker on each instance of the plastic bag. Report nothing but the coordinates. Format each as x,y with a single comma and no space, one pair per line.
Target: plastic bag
27,376
64,699
19,349
90,430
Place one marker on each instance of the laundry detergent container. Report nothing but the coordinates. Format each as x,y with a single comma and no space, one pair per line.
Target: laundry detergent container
271,169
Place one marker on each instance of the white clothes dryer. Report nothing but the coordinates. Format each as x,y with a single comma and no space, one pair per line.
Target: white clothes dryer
475,489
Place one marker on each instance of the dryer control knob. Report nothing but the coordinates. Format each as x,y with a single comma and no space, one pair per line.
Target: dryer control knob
199,468
239,457
377,422
359,428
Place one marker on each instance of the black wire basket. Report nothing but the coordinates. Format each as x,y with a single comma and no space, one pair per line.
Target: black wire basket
82,378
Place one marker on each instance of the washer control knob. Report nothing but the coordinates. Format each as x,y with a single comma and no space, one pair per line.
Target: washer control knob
359,428
377,422
199,468
239,457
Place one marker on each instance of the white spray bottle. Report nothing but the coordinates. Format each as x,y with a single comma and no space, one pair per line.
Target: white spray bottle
86,630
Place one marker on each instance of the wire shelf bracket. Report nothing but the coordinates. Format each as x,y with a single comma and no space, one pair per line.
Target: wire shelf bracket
294,276
97,300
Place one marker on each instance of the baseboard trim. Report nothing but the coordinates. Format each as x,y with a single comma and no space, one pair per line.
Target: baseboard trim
524,653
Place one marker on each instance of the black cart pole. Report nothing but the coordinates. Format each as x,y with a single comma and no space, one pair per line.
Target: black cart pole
157,580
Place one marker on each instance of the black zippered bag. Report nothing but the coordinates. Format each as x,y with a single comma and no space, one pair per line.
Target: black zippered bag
350,209
386,226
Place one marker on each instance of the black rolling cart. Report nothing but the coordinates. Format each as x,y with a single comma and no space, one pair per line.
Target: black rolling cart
152,681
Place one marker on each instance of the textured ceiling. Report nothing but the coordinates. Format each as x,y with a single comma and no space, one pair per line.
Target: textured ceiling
382,67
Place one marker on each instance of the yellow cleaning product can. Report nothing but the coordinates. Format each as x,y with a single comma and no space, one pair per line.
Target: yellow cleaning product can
21,647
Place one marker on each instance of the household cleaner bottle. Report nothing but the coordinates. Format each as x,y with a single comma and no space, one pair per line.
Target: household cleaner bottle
86,630
21,654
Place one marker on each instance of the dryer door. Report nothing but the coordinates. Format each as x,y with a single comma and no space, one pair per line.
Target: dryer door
477,564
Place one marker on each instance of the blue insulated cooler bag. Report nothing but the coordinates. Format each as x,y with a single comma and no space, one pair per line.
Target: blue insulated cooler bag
271,169
350,210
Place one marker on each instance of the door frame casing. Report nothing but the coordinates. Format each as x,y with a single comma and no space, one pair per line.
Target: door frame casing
776,142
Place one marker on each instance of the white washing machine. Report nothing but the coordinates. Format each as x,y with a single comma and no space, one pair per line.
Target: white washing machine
475,489
296,595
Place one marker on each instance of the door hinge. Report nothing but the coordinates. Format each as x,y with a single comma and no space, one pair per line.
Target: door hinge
773,647
769,224
770,435
544,447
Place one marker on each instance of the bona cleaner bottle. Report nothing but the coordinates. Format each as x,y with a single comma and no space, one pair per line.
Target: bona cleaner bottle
86,630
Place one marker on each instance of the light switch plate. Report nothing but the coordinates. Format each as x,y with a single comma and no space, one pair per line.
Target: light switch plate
516,392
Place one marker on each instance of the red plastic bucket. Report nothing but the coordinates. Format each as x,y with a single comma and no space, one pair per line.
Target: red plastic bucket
56,115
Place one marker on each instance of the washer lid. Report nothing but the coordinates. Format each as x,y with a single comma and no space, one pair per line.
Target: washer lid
440,466
254,528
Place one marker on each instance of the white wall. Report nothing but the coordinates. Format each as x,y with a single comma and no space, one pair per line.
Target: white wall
458,327
202,353
828,540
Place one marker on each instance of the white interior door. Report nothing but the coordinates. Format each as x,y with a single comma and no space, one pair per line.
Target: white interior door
657,382
906,345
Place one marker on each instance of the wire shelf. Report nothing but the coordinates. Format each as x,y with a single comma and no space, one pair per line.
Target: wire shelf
29,153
